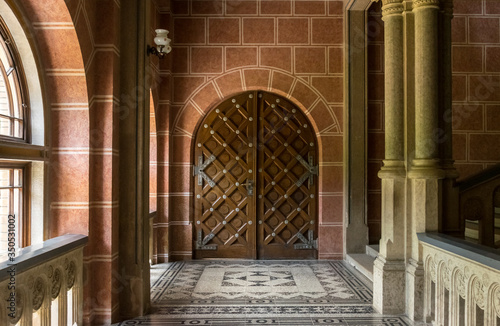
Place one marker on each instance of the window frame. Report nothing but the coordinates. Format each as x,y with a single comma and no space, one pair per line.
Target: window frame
9,45
32,151
24,232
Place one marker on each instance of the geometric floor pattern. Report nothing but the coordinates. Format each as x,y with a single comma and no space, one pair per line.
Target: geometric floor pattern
261,293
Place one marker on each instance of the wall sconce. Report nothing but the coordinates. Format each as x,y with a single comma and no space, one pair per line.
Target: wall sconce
163,43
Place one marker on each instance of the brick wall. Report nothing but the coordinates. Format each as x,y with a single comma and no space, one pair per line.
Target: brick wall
476,85
223,47
79,47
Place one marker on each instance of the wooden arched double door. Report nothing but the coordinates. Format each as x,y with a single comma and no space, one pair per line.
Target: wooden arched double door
255,181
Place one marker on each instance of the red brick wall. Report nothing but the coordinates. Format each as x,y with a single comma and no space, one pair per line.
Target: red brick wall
162,94
292,48
476,85
376,126
160,72
79,43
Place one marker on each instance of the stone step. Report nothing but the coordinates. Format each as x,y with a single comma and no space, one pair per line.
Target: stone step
363,263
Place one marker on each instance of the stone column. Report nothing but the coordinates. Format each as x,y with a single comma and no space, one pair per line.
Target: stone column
133,221
389,267
451,224
426,172
356,192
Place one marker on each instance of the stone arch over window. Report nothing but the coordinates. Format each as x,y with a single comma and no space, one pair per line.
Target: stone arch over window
66,102
59,93
323,119
57,102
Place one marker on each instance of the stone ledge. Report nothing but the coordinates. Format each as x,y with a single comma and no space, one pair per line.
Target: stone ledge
37,254
484,255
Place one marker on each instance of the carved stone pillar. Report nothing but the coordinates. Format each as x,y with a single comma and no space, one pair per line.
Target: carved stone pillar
63,306
426,172
389,267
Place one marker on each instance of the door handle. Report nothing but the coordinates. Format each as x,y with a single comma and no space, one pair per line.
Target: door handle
249,184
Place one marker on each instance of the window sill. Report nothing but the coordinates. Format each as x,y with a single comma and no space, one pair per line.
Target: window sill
21,151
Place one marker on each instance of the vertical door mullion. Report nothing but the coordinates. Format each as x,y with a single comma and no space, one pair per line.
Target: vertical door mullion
254,165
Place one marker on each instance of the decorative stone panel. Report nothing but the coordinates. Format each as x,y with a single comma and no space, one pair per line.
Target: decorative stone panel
38,287
476,281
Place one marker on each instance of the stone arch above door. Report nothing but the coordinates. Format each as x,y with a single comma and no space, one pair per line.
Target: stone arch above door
327,126
296,90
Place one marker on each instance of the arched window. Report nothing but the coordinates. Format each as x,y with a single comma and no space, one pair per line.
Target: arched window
13,97
22,151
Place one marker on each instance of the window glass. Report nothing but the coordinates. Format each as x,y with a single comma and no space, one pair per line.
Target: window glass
4,57
11,104
11,204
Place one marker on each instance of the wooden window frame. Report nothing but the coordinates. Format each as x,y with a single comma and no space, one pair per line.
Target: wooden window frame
24,232
22,91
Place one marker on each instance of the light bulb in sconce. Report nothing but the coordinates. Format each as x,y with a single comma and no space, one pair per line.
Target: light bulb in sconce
162,44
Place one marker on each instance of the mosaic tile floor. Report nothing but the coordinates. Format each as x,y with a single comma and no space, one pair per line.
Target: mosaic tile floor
261,293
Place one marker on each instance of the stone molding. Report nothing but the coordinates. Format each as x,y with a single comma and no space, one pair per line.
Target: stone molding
426,4
462,278
426,169
392,169
392,7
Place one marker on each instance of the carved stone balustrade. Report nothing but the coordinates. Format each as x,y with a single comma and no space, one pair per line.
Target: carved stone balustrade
462,282
43,285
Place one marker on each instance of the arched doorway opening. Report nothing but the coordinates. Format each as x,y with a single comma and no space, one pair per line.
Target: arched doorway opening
255,180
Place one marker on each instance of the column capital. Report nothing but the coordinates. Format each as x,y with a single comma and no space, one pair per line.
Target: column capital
423,4
392,7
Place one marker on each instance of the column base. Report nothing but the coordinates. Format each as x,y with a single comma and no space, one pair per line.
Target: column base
415,290
426,169
389,286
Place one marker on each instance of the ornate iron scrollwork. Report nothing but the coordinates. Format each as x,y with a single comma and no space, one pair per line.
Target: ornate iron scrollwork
307,243
198,171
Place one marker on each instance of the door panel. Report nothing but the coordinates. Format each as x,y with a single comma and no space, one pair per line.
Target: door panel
286,200
255,181
224,212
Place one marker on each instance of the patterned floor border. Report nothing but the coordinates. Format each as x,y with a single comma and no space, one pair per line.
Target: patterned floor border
181,278
179,287
296,321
